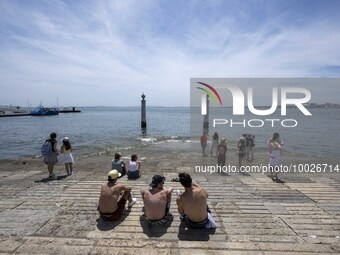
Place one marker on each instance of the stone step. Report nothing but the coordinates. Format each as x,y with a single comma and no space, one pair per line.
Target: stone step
49,245
253,215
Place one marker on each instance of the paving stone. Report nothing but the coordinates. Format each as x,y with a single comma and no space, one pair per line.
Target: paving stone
63,226
259,238
253,215
9,245
50,245
219,245
322,240
295,247
336,247
218,252
132,251
292,253
23,222
135,243
275,208
9,204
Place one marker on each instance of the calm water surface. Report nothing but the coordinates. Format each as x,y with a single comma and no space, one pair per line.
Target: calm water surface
99,128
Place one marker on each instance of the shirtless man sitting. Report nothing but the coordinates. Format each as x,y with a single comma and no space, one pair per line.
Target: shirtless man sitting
113,197
157,201
192,203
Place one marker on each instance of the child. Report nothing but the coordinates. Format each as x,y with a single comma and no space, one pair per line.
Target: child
134,167
66,157
221,152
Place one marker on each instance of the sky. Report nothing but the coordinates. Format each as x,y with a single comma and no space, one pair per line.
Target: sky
107,53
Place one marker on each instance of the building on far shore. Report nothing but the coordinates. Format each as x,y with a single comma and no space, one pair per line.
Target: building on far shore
325,106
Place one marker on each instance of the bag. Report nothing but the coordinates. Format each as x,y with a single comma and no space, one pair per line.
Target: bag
242,145
46,148
221,150
211,222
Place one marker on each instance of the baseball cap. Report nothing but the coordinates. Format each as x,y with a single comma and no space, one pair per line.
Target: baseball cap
113,174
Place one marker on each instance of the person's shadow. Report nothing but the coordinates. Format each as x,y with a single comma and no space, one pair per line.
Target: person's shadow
133,178
104,225
194,234
155,231
47,179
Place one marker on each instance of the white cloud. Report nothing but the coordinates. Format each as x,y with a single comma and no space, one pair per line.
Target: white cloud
108,53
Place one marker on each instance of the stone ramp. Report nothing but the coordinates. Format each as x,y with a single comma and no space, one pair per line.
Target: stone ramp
253,215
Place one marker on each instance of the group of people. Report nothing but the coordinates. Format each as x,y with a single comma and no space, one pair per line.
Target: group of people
54,155
64,155
133,170
219,148
192,203
245,146
245,150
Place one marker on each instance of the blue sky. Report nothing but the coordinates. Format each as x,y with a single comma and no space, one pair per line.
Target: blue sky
88,53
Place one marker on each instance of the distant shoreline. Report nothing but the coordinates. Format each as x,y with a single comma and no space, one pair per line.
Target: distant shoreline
312,105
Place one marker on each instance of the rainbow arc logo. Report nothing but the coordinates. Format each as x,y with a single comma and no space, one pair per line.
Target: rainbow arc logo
212,93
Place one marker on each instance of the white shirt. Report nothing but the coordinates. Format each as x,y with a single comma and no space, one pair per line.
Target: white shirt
133,166
275,158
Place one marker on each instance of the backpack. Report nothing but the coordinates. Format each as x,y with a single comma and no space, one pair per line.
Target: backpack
46,148
221,150
252,142
242,144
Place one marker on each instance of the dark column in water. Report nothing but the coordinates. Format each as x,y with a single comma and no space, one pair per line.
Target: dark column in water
206,117
143,120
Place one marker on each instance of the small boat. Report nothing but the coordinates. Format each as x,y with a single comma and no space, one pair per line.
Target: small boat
69,109
43,111
19,110
13,111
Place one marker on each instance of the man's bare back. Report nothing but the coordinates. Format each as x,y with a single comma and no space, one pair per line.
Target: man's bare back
155,202
110,195
193,203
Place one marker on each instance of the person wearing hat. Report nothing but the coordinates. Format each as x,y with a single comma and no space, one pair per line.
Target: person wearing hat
192,204
66,155
113,197
274,152
221,152
157,201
